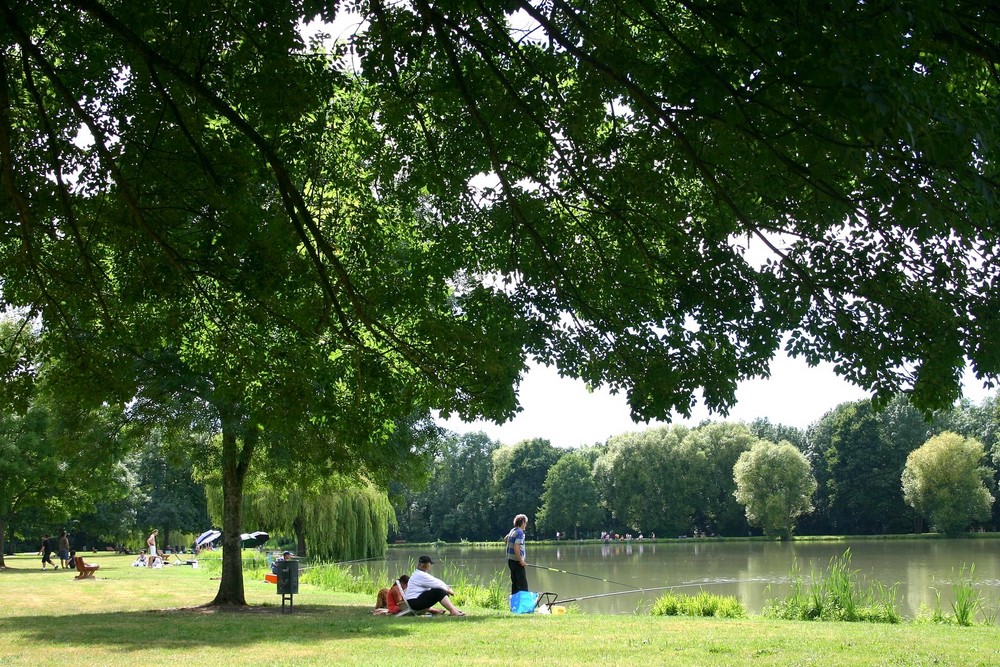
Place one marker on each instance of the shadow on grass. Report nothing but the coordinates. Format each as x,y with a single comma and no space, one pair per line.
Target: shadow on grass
23,568
220,628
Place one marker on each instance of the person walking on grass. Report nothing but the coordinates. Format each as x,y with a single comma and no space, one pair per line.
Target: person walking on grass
424,590
515,555
46,552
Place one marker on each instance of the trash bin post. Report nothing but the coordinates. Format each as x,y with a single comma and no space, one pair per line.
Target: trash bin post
288,582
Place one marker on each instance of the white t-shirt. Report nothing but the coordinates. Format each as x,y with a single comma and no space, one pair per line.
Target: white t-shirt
420,581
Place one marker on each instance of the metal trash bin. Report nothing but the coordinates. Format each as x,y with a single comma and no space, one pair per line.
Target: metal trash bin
288,581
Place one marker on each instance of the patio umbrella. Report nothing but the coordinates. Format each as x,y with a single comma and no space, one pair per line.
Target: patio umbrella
255,538
207,537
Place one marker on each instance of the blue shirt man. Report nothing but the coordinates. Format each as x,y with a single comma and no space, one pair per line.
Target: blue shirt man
515,555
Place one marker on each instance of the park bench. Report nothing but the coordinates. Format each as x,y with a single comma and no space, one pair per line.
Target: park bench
86,571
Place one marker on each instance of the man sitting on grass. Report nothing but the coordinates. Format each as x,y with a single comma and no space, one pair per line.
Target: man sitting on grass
424,590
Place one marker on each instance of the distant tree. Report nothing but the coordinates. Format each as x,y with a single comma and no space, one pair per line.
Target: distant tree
646,482
460,494
519,473
713,450
858,454
944,480
56,463
764,429
775,484
570,499
335,518
171,498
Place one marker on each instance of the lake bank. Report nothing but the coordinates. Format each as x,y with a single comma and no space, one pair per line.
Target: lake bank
130,616
752,570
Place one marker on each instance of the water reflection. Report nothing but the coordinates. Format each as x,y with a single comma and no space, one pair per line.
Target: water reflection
752,571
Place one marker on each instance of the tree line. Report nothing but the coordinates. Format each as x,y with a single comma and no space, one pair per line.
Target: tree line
847,470
111,474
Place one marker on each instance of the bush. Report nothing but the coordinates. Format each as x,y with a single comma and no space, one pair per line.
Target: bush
702,604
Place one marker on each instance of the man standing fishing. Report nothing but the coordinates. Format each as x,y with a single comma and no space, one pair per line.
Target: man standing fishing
515,555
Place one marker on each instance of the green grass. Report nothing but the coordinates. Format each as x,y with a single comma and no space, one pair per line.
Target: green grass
130,616
701,604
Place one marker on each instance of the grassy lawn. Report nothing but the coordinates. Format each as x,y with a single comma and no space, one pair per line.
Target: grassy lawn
130,616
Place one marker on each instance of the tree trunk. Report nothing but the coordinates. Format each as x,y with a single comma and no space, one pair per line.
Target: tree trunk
3,533
235,462
300,536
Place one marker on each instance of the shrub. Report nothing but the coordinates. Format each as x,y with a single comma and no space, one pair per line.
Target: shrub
702,604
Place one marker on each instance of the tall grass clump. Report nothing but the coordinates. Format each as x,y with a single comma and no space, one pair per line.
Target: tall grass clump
702,604
968,601
835,594
968,605
334,577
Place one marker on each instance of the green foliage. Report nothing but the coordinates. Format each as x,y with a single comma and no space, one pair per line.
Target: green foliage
519,473
171,499
857,455
339,519
457,502
570,499
702,604
305,250
945,481
775,484
835,594
642,479
968,600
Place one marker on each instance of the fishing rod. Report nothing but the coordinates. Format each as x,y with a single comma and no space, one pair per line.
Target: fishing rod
637,590
577,574
341,562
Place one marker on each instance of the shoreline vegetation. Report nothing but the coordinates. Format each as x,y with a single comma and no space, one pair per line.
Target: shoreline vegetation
131,616
713,538
836,593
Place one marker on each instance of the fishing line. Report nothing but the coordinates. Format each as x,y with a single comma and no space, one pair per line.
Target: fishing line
639,590
577,574
340,562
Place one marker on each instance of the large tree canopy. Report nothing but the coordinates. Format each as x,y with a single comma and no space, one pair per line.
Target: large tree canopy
193,194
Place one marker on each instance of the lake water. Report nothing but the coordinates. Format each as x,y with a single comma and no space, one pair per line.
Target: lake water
753,572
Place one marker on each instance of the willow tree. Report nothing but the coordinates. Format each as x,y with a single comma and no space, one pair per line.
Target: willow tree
335,519
195,196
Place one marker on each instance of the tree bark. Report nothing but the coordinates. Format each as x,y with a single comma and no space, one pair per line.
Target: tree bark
300,536
3,533
235,463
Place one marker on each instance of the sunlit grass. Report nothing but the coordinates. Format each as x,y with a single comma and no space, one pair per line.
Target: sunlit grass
130,616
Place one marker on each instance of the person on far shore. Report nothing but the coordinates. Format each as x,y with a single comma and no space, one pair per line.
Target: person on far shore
424,590
515,555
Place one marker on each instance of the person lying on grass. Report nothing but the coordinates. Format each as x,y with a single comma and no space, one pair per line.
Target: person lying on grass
424,590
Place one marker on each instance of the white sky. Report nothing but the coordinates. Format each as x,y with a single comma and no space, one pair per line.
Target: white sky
562,411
